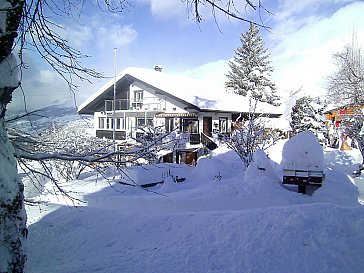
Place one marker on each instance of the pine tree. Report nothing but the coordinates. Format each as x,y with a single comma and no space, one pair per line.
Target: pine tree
306,117
250,70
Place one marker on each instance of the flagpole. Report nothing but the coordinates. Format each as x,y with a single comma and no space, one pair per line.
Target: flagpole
114,103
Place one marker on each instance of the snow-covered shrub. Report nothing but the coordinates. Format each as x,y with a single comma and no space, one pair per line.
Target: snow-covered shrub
250,136
151,140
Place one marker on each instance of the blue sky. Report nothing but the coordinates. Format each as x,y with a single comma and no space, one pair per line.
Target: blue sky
301,41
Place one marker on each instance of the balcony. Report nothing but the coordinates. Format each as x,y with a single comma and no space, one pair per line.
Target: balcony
140,105
119,135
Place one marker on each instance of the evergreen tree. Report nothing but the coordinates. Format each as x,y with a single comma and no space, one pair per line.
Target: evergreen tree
250,70
306,116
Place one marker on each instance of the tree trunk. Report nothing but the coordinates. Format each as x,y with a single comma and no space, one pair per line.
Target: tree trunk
12,213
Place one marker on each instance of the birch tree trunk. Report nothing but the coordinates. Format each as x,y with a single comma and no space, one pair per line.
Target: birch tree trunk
12,213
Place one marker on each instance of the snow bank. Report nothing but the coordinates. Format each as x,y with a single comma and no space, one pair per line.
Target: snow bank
148,174
212,169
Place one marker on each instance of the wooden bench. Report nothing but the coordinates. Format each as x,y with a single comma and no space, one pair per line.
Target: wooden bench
303,178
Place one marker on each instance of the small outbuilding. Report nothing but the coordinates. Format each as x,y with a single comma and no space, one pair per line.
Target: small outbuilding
303,161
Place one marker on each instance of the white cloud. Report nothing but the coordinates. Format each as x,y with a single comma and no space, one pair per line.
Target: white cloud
301,58
287,9
124,35
213,72
99,31
184,10
304,57
41,89
116,35
78,35
163,9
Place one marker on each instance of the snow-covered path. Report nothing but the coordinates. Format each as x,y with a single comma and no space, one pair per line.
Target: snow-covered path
215,221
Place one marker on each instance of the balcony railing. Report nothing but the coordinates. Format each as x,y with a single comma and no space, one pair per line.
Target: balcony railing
207,142
145,104
119,135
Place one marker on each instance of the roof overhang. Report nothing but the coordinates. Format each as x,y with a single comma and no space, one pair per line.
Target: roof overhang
176,115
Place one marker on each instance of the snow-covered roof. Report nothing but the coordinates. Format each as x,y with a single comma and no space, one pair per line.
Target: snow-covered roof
201,94
276,123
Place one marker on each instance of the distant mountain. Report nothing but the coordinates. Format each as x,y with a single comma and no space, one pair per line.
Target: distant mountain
47,117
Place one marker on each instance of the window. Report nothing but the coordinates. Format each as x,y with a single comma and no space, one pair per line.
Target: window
223,125
101,123
109,123
141,122
118,105
138,96
190,125
138,99
120,124
109,105
169,126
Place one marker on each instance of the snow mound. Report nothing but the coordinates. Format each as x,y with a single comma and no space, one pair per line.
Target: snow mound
303,152
212,169
260,176
337,188
169,185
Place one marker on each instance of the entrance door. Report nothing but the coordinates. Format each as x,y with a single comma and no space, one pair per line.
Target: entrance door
207,126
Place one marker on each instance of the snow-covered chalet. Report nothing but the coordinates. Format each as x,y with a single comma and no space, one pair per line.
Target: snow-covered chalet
152,97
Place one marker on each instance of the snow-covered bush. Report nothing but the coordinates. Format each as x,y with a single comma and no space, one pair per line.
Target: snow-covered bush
250,136
151,140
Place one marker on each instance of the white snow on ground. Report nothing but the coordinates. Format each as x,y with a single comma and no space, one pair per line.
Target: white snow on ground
220,219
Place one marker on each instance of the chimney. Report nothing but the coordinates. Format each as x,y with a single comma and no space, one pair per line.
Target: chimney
158,68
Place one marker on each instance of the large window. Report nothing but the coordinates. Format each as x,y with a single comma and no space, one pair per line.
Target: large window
190,125
144,122
109,105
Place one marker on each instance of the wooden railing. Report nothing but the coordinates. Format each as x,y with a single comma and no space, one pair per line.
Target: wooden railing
195,139
207,142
